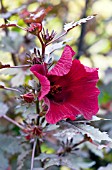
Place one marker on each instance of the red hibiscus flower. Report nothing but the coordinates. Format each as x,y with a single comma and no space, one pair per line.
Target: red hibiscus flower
69,88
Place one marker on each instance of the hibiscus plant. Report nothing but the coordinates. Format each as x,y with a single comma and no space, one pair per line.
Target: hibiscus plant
56,100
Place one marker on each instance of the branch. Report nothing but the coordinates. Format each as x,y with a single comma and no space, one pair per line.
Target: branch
8,88
14,59
12,121
83,30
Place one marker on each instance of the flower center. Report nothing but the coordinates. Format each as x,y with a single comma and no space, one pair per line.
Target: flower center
55,92
55,89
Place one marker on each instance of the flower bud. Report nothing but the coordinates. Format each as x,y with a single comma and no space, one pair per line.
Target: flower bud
28,97
35,28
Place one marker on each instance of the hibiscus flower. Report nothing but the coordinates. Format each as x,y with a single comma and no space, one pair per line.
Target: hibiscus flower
69,88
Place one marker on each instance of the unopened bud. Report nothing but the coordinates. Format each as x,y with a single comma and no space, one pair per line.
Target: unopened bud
28,97
35,28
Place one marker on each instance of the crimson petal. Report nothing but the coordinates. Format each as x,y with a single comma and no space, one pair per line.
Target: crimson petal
38,68
57,112
38,71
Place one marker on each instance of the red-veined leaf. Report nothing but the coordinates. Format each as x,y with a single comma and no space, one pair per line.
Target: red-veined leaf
38,15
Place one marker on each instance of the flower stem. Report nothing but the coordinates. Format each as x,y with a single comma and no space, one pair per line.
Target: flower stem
38,144
43,46
12,121
33,153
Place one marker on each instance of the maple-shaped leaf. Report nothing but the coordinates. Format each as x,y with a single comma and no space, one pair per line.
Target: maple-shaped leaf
85,129
94,133
69,26
51,48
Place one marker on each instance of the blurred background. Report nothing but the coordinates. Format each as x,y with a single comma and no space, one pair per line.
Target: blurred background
91,41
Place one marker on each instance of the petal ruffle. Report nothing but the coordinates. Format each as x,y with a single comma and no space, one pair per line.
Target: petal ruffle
64,64
38,68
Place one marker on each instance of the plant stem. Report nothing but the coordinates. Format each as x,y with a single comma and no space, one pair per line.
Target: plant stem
38,144
11,89
43,45
12,121
33,153
83,30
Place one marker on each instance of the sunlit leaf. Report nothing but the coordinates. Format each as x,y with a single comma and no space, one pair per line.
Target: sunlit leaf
73,24
51,48
96,118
